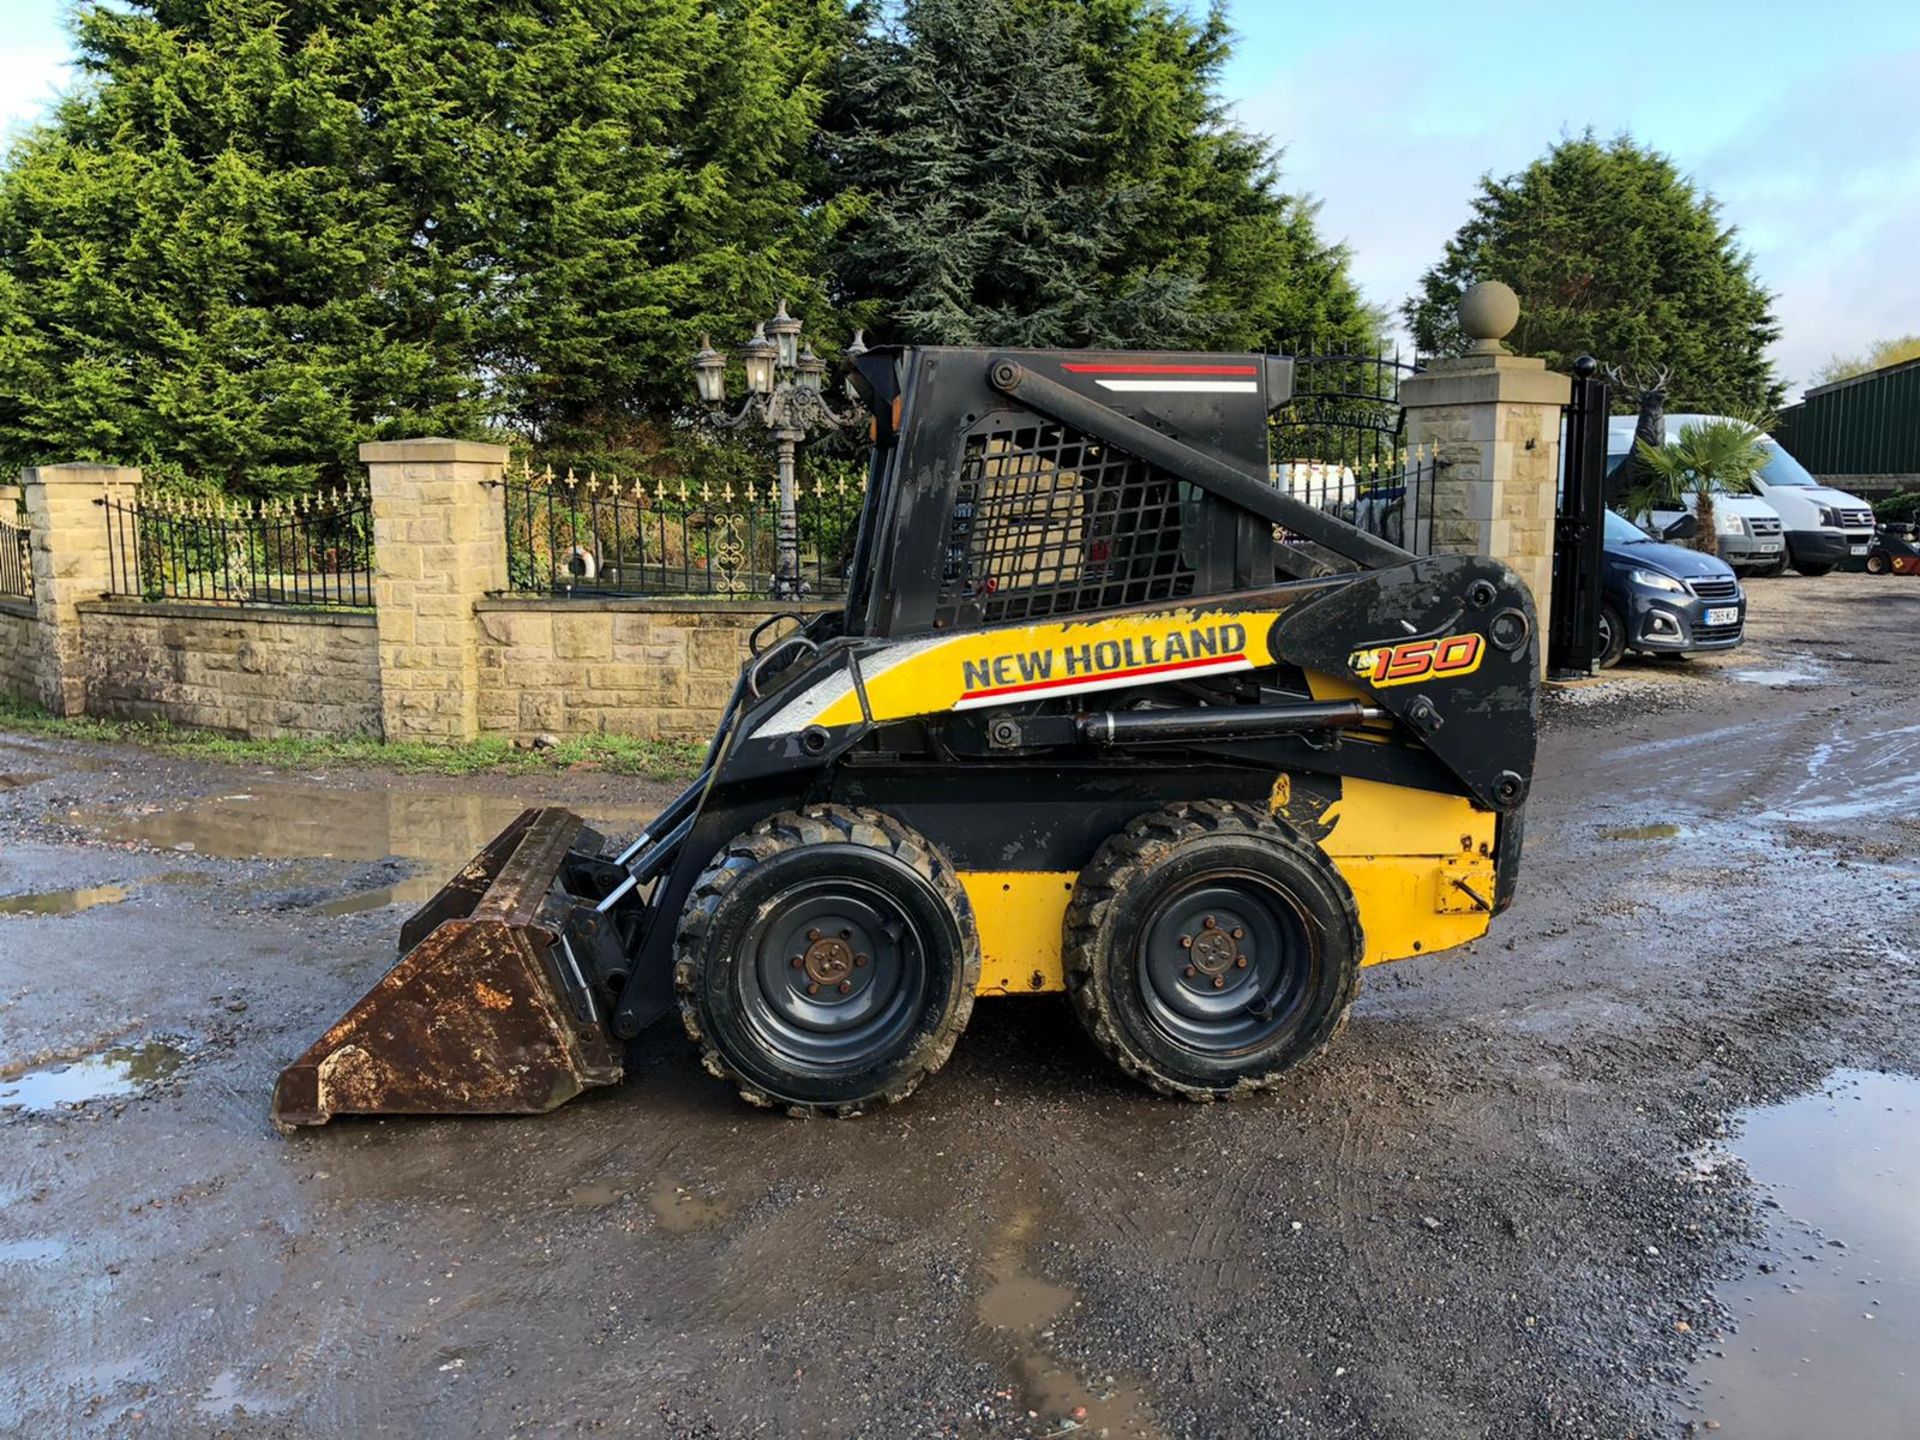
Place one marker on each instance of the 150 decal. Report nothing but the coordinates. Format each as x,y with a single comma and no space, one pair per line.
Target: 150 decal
1406,661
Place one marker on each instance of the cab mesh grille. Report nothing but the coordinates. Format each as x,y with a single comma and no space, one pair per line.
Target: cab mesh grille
1048,521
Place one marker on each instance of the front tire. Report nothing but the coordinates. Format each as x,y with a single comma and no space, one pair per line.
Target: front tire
1876,563
1210,950
1612,643
1773,568
827,961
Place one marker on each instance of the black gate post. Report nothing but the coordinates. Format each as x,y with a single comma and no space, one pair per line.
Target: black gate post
1578,530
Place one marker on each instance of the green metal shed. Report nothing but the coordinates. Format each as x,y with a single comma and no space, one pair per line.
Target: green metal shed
1860,434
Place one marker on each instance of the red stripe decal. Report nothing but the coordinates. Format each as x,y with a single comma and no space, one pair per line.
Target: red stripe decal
1085,369
1106,675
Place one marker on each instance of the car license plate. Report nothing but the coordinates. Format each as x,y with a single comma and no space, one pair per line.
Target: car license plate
1724,615
1767,547
1860,549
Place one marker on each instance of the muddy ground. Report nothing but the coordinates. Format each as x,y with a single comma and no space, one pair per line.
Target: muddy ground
1498,1209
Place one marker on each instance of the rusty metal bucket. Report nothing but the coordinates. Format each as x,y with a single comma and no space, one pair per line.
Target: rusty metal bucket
486,1011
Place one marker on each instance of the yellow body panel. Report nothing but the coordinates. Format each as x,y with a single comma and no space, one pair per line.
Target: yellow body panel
1013,663
1021,914
1419,864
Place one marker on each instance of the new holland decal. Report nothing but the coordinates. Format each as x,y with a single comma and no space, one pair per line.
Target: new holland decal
1075,667
1405,661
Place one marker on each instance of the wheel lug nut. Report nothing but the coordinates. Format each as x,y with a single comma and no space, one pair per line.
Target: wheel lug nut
798,961
1239,962
1238,933
1219,982
1186,942
845,986
1191,972
813,988
860,959
1210,923
813,934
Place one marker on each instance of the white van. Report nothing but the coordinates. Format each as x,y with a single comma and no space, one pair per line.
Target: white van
1749,533
1823,526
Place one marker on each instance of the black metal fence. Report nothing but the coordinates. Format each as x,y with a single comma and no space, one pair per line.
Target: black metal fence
313,550
569,535
1340,445
16,557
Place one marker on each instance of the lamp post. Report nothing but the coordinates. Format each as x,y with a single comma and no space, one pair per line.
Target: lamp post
786,397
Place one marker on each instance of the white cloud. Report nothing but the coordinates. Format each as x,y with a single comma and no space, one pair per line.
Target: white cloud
32,77
1821,175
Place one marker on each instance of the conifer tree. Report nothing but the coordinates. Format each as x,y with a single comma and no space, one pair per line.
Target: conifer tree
1613,253
1063,172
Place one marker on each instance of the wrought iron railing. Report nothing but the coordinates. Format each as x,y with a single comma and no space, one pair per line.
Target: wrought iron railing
16,553
311,550
16,558
1339,444
569,534
1391,497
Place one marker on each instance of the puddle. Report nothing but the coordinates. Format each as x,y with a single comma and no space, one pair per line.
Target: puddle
1017,1307
681,1212
31,1252
1663,831
1774,677
1829,1341
62,902
1013,1299
121,1070
289,822
227,1394
596,1196
360,901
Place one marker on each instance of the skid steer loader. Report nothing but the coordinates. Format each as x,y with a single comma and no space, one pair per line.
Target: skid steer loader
1106,712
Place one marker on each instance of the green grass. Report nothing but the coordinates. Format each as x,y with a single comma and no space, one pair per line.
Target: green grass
618,754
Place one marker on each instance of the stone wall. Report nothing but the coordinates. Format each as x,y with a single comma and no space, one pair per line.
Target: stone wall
242,670
656,669
18,649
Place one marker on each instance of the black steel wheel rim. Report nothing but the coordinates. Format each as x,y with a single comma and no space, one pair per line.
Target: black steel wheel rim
1606,633
836,974
1227,963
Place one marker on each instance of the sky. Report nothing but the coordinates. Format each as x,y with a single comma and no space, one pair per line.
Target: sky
1803,118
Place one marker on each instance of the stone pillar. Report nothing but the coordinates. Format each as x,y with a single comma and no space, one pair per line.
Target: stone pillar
440,544
1494,419
72,561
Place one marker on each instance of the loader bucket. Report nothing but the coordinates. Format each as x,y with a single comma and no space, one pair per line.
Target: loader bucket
486,1011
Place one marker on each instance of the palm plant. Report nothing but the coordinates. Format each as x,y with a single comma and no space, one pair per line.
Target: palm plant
1719,457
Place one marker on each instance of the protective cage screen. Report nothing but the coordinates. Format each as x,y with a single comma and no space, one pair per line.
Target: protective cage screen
1047,521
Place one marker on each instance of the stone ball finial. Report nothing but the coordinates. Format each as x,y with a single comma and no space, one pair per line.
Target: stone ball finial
1488,313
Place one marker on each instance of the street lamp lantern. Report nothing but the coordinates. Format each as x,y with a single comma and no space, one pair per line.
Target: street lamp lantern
809,371
710,373
785,331
758,355
852,353
784,397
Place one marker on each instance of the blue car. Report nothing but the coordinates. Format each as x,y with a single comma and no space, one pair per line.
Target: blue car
1661,599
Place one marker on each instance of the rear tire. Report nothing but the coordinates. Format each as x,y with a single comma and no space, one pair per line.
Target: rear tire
827,961
1202,1010
1876,563
1612,643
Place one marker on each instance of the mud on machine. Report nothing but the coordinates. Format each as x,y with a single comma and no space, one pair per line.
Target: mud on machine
1106,712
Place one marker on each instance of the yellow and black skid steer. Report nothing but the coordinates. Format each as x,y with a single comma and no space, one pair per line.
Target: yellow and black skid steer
1106,712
